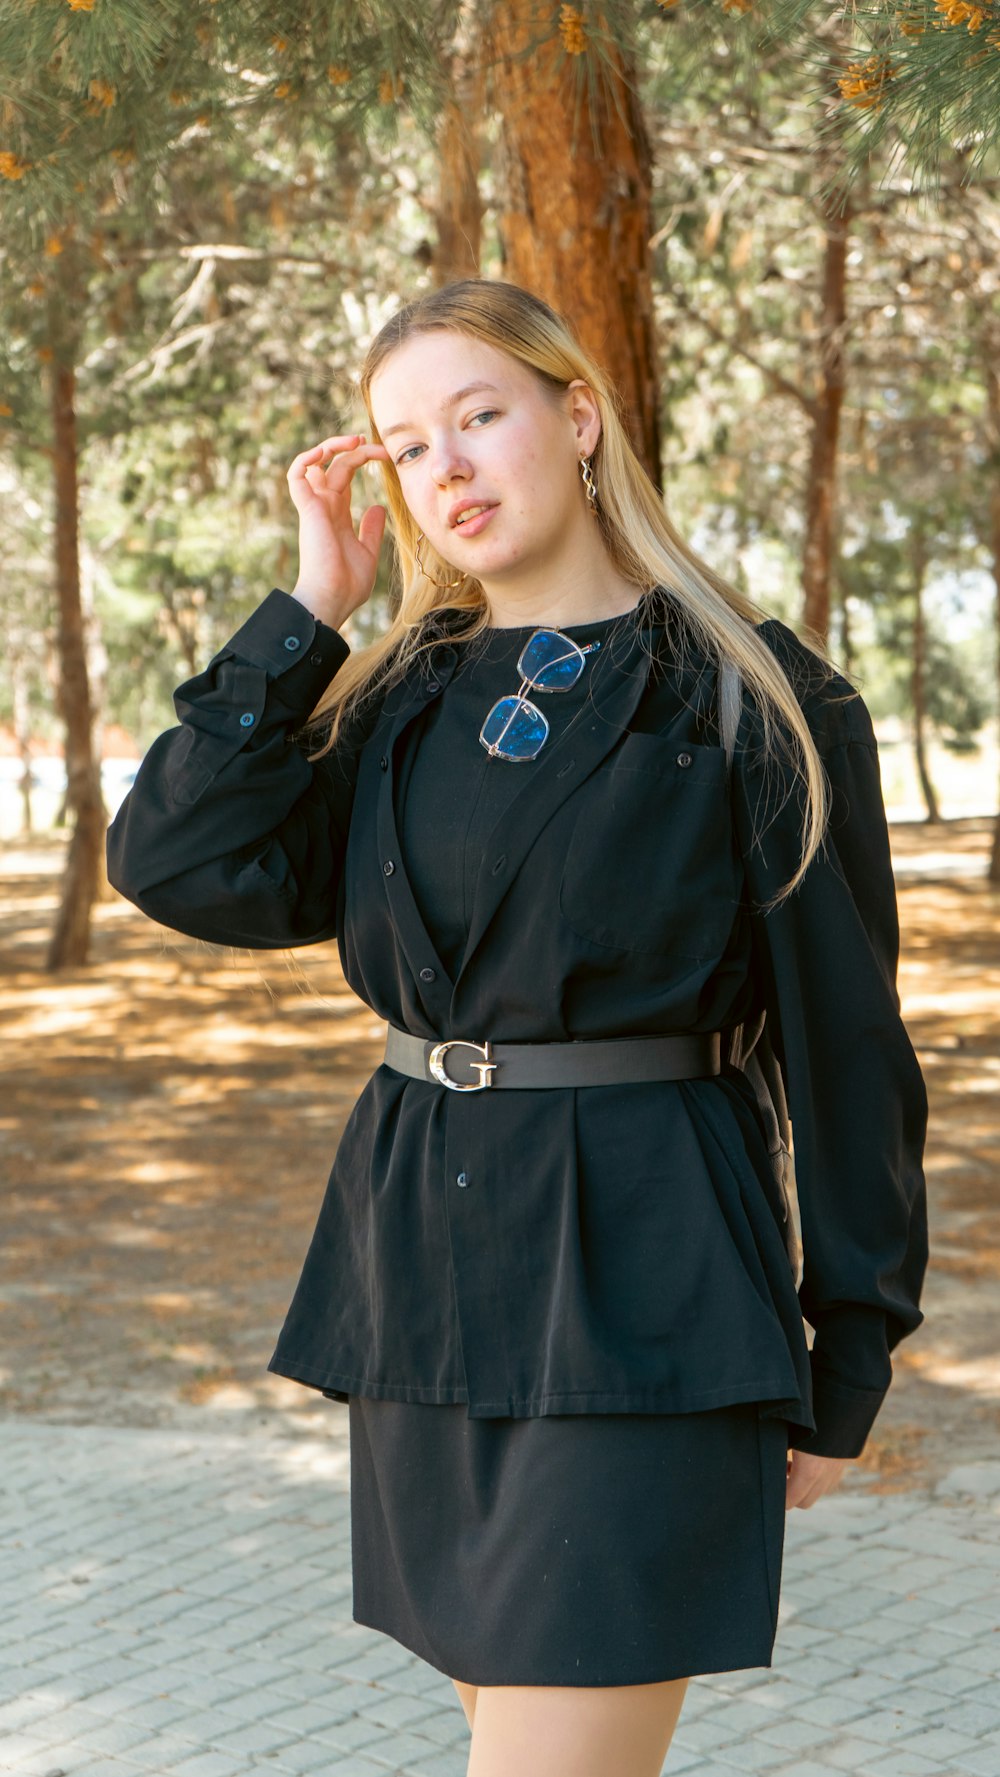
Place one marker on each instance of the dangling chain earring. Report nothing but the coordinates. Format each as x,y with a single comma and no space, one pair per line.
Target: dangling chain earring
589,482
444,584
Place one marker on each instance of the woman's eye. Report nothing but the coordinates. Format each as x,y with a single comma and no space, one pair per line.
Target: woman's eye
485,413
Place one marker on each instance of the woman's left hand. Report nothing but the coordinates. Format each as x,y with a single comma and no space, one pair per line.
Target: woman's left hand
809,1477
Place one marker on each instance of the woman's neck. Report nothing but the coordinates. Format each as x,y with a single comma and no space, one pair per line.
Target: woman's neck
552,607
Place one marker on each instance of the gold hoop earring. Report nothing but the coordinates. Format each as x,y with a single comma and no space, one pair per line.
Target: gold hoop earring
444,584
589,482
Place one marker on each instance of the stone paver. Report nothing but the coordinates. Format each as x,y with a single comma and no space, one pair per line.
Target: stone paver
179,1603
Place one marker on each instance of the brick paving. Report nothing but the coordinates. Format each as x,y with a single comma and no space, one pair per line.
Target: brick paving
179,1602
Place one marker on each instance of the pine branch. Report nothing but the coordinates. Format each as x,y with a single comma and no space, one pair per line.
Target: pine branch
780,383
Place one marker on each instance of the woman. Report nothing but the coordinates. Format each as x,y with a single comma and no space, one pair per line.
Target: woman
563,1314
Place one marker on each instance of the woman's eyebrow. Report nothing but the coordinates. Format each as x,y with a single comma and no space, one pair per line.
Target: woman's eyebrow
449,401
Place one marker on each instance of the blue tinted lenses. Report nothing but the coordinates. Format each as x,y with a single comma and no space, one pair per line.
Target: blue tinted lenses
550,660
515,728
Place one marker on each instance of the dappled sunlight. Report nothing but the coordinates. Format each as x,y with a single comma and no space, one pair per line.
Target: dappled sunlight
126,1234
158,1172
303,1464
160,1199
978,1376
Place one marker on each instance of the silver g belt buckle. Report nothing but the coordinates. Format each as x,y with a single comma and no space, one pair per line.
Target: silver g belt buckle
485,1068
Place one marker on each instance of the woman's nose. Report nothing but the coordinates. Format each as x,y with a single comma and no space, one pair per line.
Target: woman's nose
447,464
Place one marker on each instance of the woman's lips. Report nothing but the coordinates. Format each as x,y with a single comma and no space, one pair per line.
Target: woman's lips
470,526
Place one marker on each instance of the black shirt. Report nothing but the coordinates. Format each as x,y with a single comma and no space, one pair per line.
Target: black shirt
447,769
596,1249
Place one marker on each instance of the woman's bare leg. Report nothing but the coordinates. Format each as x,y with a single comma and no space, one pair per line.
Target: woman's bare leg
467,1698
574,1730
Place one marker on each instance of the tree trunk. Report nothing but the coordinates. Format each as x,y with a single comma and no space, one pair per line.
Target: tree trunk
460,208
846,633
993,399
85,873
821,494
21,710
917,684
576,210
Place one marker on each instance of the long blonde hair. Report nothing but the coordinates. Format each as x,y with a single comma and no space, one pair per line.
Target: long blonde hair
639,538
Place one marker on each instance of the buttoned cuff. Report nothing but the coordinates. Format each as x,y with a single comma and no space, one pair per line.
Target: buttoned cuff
844,1416
283,637
268,678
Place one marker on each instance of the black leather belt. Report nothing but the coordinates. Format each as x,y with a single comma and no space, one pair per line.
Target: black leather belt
467,1066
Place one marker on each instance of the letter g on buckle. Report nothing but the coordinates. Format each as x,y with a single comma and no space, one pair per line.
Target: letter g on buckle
484,1068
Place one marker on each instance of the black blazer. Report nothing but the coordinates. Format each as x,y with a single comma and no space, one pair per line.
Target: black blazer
595,1249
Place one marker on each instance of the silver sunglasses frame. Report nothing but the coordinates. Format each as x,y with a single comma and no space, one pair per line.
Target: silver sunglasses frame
521,702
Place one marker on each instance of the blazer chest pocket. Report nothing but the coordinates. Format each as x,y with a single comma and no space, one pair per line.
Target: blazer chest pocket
650,864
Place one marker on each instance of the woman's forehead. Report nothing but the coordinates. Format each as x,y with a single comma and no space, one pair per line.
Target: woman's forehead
428,371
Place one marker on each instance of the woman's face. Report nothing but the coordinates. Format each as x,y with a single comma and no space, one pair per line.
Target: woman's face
512,446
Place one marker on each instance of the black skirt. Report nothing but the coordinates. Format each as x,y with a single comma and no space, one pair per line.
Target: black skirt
599,1549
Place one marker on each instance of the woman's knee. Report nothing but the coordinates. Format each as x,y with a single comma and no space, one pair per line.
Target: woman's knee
574,1731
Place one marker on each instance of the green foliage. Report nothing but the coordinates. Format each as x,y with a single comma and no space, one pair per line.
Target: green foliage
95,100
910,82
213,250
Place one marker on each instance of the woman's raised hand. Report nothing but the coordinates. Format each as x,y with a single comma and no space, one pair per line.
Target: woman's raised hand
337,567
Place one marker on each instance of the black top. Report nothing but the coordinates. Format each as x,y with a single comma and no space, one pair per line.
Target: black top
572,1250
446,768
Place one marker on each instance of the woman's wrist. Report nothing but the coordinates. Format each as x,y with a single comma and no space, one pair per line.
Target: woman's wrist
321,605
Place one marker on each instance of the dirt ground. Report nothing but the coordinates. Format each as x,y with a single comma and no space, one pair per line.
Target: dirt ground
169,1115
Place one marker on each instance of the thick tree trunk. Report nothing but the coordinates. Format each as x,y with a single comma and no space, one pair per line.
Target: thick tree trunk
84,874
460,208
917,691
821,493
576,210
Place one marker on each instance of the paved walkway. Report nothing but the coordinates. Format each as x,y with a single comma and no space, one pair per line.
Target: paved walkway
180,1603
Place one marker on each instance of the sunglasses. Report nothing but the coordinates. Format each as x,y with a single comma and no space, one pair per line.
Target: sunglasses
549,661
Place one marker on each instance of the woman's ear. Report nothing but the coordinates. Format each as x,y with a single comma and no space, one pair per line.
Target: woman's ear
585,414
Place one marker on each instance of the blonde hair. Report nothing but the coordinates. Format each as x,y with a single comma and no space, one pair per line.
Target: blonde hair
637,534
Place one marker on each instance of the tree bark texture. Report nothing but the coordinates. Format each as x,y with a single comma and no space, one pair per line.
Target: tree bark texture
460,207
821,489
84,874
576,207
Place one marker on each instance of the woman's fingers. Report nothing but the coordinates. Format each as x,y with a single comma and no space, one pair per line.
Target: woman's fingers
371,528
811,1476
351,448
305,458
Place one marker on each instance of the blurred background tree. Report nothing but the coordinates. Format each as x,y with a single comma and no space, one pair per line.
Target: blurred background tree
776,223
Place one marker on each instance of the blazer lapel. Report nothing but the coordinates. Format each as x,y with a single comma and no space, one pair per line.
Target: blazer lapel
618,679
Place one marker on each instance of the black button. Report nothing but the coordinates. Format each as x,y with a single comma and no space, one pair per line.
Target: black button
428,974
383,763
462,1180
433,686
388,867
293,644
315,660
683,758
247,719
